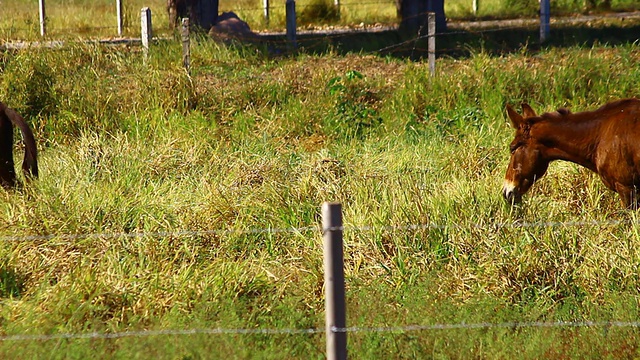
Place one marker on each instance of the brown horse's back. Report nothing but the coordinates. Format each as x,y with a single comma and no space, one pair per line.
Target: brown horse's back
618,152
605,140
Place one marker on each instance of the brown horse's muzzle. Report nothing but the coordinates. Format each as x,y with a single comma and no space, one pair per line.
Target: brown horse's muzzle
511,195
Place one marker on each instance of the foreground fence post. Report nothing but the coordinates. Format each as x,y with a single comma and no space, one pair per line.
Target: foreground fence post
119,16
290,13
335,306
146,32
186,44
431,42
43,18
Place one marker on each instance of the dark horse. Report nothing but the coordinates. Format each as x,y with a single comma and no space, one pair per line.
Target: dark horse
606,141
9,118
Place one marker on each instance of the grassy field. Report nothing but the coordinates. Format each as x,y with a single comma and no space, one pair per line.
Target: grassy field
214,181
97,19
250,142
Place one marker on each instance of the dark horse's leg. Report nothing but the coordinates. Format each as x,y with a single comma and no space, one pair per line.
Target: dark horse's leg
7,170
8,119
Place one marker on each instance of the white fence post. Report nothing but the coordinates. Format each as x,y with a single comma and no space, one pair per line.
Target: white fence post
545,19
431,42
146,31
43,18
265,6
119,16
335,305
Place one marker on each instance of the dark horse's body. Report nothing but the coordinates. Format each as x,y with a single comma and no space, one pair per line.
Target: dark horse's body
606,141
9,118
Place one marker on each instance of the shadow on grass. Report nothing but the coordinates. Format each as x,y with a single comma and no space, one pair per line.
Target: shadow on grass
461,43
11,283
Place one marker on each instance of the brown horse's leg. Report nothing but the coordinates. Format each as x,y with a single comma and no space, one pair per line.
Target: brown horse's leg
628,196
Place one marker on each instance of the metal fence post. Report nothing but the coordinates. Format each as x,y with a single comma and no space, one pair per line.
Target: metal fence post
335,306
290,12
545,19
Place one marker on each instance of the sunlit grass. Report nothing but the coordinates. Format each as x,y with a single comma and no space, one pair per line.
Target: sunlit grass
97,19
246,142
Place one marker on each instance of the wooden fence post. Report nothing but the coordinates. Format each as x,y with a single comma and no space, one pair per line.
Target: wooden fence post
146,32
43,18
545,19
431,42
291,22
119,16
186,44
335,306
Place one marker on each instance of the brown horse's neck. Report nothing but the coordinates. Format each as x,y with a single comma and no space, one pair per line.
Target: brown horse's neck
569,137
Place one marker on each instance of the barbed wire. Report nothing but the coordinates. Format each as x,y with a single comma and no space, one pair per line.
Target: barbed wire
312,331
319,229
149,333
488,325
158,234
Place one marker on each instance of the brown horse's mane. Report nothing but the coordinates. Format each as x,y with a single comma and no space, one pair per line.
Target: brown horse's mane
580,116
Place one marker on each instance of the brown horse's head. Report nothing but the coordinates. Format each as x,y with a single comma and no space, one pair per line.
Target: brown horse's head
527,162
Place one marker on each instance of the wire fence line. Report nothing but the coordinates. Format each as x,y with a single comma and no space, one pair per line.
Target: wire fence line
313,331
157,234
150,333
320,36
319,230
326,229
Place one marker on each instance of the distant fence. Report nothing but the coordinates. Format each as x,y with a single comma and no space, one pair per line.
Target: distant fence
336,328
289,39
545,16
428,31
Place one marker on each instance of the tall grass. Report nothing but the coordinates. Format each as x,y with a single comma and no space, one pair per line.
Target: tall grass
248,142
97,19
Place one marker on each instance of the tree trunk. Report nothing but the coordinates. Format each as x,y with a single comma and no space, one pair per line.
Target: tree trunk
413,15
201,13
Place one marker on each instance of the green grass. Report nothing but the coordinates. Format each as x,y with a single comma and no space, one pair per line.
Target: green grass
97,19
249,142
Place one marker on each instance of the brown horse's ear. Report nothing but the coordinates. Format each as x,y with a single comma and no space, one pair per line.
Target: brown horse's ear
527,111
516,119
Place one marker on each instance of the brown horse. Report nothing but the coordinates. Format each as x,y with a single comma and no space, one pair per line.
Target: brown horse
606,141
9,118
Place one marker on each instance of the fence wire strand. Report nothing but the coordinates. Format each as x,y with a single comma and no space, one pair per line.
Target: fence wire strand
317,229
312,331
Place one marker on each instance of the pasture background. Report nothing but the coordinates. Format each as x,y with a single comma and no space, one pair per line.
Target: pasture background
83,18
247,142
